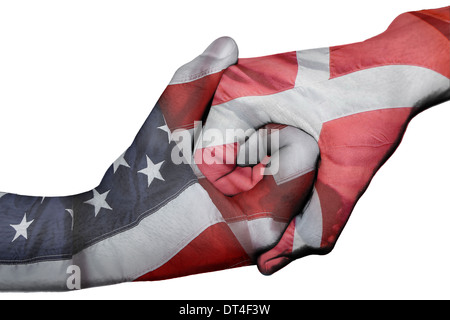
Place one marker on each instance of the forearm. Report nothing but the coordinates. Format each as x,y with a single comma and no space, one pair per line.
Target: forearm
418,38
356,100
109,234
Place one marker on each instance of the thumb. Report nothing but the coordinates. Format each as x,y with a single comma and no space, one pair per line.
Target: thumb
302,237
219,55
191,89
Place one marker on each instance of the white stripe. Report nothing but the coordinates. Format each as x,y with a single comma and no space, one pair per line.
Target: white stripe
127,255
255,235
297,156
38,276
308,106
308,226
313,66
150,244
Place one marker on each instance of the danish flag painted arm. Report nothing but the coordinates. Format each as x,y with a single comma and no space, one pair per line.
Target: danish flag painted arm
354,100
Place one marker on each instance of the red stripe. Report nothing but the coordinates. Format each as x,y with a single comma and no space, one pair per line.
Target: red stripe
181,107
258,76
218,164
440,25
214,249
266,199
409,40
350,158
439,13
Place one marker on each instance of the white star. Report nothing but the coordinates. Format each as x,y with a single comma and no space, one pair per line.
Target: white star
21,228
120,162
152,171
99,201
166,129
70,211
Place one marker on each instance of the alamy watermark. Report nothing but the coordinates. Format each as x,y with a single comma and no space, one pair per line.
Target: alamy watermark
230,146
73,281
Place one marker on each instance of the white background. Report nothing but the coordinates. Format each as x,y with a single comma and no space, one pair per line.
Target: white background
78,79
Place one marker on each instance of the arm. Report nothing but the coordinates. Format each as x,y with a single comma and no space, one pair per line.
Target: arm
355,100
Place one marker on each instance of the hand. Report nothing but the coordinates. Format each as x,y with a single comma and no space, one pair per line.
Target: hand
154,215
354,100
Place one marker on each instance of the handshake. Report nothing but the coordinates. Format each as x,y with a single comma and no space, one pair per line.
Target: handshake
252,161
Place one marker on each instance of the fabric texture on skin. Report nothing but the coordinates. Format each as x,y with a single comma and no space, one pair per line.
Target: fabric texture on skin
355,100
337,114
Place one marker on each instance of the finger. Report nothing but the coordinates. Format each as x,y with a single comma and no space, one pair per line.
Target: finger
240,103
248,77
302,237
259,214
280,151
247,99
